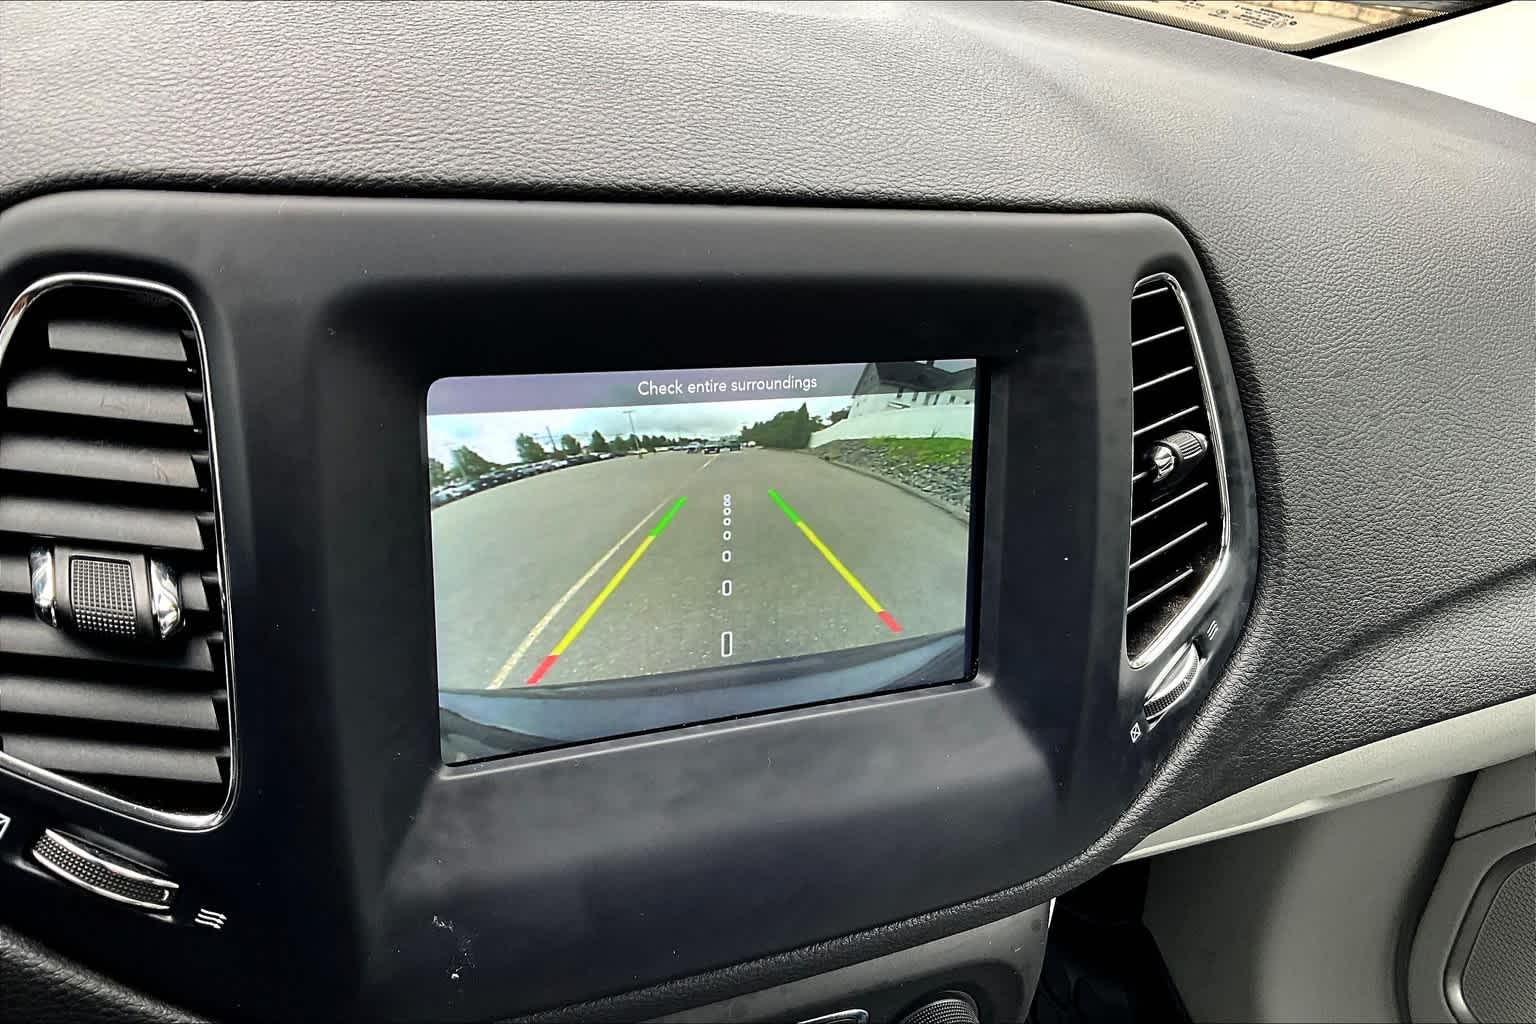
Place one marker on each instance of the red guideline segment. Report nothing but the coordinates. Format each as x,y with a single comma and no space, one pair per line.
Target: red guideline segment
544,666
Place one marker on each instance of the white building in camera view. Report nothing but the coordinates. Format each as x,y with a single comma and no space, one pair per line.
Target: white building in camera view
907,400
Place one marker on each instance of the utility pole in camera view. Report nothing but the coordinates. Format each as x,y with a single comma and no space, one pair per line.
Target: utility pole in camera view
634,439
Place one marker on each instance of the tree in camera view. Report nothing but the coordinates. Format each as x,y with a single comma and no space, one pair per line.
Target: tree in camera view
529,450
569,445
789,429
469,464
599,442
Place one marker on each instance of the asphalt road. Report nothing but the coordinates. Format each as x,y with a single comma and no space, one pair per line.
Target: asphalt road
516,567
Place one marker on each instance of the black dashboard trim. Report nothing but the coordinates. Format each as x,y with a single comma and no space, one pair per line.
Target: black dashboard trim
326,318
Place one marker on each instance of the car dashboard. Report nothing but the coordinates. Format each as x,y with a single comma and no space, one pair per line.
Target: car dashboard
713,511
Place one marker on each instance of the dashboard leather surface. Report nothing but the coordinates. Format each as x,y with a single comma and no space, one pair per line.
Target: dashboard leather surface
41,987
1370,247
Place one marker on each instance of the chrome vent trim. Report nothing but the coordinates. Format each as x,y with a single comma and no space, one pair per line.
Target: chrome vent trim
1172,575
39,391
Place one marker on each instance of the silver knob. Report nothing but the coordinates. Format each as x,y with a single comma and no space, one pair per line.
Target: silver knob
1173,685
95,870
1176,454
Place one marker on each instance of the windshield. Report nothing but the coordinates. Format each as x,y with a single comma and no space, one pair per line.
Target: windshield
1289,25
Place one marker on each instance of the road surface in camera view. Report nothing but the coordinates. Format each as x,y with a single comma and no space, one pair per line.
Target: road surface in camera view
618,568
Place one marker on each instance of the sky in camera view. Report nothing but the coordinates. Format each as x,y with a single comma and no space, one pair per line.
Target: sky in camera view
494,434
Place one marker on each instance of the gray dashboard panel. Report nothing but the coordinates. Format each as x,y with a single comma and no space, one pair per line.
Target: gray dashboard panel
1370,246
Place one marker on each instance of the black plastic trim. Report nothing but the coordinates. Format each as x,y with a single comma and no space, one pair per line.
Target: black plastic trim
996,966
379,882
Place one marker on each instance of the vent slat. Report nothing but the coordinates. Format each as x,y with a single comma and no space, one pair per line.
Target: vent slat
194,598
1165,548
104,448
1163,507
106,525
1177,524
1160,590
72,394
1159,336
1165,378
69,755
1165,421
30,638
97,460
103,702
131,340
14,575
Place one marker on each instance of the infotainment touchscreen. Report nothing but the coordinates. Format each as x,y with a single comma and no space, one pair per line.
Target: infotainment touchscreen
619,552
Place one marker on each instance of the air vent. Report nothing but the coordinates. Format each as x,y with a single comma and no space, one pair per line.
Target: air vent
1177,500
107,493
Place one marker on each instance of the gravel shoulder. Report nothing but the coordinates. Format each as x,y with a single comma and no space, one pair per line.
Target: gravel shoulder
937,468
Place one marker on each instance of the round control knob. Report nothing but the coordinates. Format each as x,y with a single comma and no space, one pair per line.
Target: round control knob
1175,455
946,1008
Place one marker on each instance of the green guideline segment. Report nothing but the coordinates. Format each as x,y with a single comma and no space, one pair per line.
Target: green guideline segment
666,519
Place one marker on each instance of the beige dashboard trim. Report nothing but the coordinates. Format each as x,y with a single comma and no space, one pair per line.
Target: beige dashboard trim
1456,746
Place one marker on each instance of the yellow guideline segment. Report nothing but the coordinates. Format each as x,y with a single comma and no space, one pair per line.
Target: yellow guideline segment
842,570
602,595
832,560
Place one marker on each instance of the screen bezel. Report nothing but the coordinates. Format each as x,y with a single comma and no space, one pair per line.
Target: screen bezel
720,678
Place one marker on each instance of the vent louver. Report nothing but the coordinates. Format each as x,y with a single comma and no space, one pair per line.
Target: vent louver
104,445
1177,506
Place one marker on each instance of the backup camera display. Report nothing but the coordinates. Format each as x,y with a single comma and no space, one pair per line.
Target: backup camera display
624,551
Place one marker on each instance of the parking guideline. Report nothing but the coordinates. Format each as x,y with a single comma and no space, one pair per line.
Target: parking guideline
832,560
603,595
